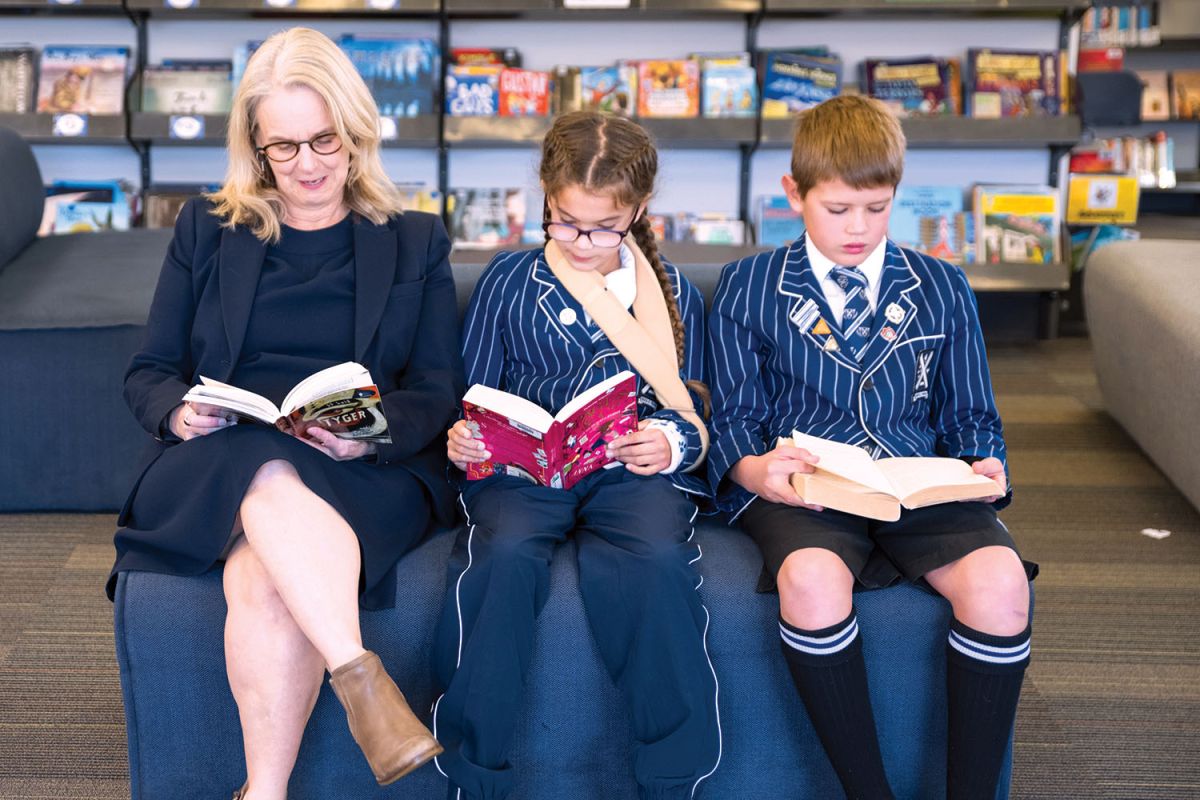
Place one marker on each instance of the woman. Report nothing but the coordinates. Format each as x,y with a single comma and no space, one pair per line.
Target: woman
302,261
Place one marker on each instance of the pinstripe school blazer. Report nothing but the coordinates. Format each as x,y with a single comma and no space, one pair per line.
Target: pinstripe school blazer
525,334
923,387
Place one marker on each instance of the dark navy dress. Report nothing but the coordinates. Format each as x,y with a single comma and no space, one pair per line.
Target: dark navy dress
183,509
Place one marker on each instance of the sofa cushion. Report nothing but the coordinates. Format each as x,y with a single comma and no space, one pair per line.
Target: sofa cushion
21,195
83,280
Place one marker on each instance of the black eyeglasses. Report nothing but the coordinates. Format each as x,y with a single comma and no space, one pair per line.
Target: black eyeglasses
323,144
565,232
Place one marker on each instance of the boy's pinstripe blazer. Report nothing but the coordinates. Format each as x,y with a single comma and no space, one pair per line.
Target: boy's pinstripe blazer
525,334
922,388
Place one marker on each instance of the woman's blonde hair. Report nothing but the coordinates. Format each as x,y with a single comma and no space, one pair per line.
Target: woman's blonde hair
291,58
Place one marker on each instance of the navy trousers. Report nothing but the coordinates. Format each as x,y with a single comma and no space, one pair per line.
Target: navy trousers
639,590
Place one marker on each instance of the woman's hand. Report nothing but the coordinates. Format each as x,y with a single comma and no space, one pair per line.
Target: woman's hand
646,452
190,420
336,448
770,475
463,447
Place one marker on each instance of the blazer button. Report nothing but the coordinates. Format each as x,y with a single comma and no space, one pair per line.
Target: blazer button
868,385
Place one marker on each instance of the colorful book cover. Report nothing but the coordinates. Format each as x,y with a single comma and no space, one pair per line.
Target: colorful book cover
1156,94
1103,199
401,73
1017,224
83,80
486,219
17,79
730,91
1013,83
473,91
929,219
483,56
777,222
911,87
795,81
556,451
175,90
717,229
241,55
1101,59
608,89
1185,84
524,93
668,89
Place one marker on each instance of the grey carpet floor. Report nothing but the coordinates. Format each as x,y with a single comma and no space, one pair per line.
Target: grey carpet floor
1111,706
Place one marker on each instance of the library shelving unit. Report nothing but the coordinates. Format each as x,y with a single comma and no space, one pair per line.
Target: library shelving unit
445,134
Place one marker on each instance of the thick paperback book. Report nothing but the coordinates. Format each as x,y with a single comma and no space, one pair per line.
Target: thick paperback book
847,479
553,450
401,73
342,399
17,79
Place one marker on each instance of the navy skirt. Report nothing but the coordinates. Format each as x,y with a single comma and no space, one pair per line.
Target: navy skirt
181,511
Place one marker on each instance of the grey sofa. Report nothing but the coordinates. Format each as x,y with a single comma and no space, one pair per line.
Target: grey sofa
71,311
1143,310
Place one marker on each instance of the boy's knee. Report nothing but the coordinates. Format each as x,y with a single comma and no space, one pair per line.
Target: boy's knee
815,589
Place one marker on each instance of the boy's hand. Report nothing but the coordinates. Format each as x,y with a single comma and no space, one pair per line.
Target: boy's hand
646,452
462,448
770,475
993,468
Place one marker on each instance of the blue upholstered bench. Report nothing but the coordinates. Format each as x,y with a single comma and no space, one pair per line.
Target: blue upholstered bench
572,738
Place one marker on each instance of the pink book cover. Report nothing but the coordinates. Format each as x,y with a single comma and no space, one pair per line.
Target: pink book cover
556,452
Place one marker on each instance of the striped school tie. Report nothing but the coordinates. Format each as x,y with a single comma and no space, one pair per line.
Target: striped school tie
856,316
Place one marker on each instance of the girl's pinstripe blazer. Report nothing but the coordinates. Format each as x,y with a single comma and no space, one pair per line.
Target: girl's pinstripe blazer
922,388
525,334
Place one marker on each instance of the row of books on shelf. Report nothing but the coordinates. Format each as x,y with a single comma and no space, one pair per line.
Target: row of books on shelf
1149,159
1123,23
1166,94
1019,224
402,75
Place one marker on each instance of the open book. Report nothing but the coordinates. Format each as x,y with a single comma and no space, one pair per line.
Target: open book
847,479
342,399
557,451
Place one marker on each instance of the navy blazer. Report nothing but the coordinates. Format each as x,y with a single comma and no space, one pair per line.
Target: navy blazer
405,328
524,333
922,388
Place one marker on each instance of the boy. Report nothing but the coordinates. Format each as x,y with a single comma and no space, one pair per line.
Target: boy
846,336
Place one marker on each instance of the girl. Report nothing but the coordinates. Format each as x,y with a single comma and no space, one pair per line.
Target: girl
528,332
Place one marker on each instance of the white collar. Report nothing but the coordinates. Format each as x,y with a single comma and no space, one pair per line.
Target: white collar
622,281
871,267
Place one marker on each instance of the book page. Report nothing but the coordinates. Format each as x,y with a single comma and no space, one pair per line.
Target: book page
948,478
240,401
846,461
588,395
517,409
338,378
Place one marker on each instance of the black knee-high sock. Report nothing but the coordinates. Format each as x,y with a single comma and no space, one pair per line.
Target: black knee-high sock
830,674
983,685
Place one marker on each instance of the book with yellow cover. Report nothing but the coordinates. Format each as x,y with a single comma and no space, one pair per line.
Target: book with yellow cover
1103,200
848,479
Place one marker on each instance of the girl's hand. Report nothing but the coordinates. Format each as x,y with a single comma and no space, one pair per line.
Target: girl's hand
190,420
334,447
770,475
993,468
463,448
646,452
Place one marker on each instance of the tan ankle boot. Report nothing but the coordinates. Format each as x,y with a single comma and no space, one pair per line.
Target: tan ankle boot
388,733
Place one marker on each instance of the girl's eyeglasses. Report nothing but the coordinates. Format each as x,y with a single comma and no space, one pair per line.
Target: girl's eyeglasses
323,144
565,232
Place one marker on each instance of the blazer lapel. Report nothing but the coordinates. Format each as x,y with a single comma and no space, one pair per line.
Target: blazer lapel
555,302
808,308
241,258
375,252
895,310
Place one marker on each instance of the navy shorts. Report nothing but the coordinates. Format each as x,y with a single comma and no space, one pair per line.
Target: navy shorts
877,553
